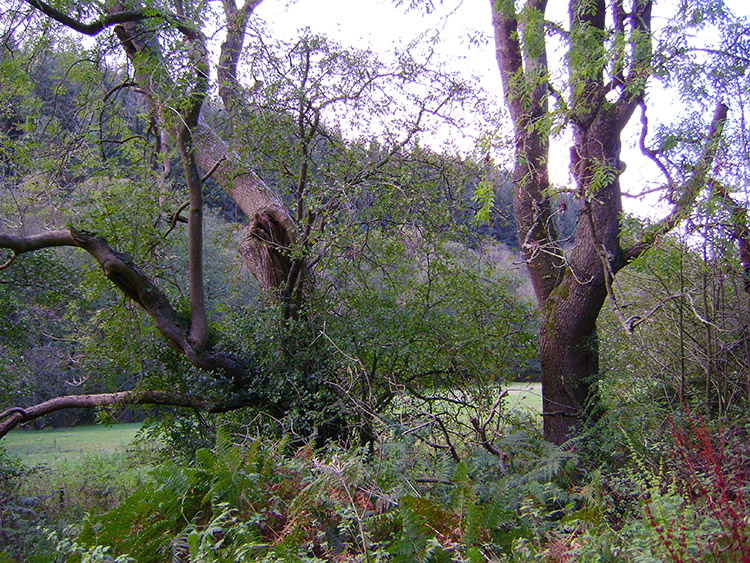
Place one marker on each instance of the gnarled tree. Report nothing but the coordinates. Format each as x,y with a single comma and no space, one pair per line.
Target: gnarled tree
169,63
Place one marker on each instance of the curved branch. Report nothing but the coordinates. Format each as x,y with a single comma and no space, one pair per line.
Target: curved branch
134,284
93,28
690,189
122,273
176,217
112,19
16,415
651,154
5,265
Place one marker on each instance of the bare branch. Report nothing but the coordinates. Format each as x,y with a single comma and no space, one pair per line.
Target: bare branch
177,218
208,174
481,430
651,154
16,415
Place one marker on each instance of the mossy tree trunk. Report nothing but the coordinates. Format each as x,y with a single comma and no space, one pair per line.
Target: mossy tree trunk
605,86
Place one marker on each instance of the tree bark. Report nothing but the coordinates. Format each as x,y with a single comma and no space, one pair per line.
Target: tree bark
571,286
271,233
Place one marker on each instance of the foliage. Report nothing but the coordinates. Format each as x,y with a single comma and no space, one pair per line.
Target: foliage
57,496
692,348
682,502
252,500
401,345
405,501
352,184
413,317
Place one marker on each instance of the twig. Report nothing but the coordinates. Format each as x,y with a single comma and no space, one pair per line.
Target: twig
434,480
208,174
176,217
8,262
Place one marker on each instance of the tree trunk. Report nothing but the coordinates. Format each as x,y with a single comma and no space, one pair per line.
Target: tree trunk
569,357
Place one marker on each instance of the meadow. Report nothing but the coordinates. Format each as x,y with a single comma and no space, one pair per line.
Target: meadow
54,447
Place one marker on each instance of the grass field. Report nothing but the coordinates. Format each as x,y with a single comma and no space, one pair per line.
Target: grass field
524,396
57,446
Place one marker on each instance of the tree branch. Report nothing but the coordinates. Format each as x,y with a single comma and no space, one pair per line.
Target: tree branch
123,274
16,415
231,49
198,333
740,230
214,156
690,189
93,28
508,53
634,84
134,284
112,19
525,86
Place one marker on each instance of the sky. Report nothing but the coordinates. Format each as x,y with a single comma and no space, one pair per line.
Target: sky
381,25
466,44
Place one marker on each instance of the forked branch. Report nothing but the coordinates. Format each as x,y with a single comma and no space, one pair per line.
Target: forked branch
106,21
134,284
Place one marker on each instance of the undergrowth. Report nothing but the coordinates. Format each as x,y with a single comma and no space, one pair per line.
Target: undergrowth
36,501
680,497
252,501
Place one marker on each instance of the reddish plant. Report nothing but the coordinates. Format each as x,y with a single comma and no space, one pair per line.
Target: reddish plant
708,465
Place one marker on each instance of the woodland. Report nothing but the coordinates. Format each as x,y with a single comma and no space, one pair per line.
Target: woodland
254,247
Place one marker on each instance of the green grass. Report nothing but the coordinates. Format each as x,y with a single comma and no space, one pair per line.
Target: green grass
524,396
61,445
79,470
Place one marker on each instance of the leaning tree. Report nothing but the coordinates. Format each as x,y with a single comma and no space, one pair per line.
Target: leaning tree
166,57
612,56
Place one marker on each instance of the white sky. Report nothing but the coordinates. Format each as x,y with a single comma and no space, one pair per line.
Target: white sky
381,26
